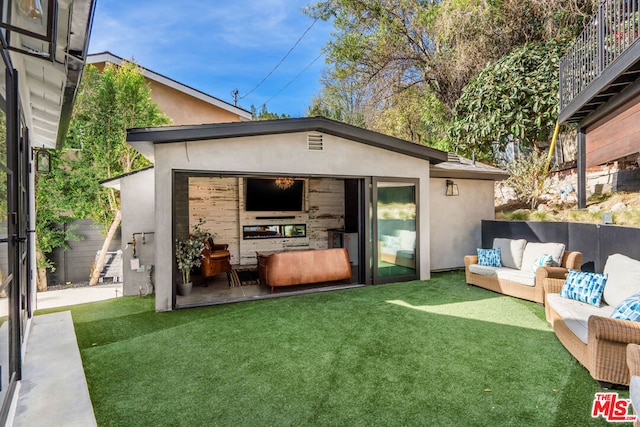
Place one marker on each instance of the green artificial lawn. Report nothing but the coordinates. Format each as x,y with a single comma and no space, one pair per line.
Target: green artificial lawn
435,352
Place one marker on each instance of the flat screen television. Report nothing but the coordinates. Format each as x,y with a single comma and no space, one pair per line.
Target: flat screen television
263,194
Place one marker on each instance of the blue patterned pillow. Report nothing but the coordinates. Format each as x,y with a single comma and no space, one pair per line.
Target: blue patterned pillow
542,261
584,287
489,257
629,309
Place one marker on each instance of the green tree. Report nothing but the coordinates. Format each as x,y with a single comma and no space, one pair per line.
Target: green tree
410,60
108,103
55,192
439,46
265,114
341,99
416,116
514,98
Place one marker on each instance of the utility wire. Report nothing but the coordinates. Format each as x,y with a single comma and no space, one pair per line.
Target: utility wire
294,79
281,61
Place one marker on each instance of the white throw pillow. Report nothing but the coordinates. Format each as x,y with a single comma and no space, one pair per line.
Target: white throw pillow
534,251
623,281
407,240
511,251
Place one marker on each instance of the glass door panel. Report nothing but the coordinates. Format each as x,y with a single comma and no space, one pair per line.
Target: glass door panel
395,220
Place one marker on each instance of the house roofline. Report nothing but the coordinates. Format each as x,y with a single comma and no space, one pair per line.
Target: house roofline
464,168
170,134
115,181
79,34
468,174
106,57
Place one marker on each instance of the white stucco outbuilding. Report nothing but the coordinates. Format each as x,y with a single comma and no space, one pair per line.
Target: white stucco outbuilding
381,197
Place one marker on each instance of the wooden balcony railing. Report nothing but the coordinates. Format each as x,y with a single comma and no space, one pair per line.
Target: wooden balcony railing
612,30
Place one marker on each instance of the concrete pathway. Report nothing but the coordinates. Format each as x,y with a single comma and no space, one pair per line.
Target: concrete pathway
53,390
72,296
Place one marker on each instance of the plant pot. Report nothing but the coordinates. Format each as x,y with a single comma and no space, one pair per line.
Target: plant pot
184,289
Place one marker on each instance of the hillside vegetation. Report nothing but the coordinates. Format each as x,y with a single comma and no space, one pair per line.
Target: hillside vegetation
624,207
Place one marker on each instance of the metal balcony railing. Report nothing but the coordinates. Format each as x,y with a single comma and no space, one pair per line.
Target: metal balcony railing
612,30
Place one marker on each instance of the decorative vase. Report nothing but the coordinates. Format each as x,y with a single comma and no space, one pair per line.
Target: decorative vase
184,289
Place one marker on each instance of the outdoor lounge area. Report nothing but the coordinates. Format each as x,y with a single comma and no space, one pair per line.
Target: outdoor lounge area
590,299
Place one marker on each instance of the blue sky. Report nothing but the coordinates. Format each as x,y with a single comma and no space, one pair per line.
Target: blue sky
219,46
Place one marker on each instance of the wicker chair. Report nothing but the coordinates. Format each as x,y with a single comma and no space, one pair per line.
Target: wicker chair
605,355
633,362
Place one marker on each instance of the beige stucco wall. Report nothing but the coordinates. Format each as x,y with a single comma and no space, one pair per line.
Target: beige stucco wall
187,110
275,154
182,108
455,220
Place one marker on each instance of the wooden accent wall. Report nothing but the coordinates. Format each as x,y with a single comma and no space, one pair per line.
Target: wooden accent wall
220,202
616,136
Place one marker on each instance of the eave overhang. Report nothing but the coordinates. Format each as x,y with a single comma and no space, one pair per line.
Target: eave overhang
143,139
48,86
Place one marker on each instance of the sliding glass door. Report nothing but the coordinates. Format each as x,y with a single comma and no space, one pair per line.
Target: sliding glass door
395,230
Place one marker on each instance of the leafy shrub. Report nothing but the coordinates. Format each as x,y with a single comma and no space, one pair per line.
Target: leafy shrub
527,177
515,97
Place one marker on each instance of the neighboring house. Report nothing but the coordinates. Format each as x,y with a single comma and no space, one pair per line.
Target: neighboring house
600,90
387,194
184,106
43,60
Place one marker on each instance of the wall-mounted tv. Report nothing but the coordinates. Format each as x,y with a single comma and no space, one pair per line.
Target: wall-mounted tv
263,194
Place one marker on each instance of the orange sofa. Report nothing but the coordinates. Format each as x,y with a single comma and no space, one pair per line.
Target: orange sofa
304,267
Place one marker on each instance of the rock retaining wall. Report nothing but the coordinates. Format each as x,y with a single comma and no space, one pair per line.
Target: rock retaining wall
562,185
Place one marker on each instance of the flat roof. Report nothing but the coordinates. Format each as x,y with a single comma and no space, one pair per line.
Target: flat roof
143,139
463,168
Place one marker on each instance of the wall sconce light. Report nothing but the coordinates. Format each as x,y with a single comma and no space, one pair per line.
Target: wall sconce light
43,160
29,26
452,188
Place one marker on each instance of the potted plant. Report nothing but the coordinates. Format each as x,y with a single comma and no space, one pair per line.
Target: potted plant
189,255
